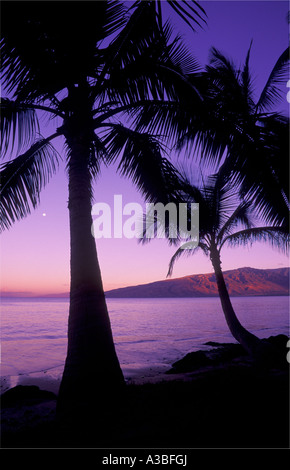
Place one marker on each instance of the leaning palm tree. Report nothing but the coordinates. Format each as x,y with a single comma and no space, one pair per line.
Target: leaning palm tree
73,69
225,220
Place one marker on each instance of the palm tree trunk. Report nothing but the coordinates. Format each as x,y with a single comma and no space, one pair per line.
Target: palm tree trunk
249,341
92,367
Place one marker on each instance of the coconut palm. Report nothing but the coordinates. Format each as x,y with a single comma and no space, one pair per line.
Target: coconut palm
257,133
247,133
69,66
226,220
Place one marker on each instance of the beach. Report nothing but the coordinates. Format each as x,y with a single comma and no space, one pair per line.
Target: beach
229,403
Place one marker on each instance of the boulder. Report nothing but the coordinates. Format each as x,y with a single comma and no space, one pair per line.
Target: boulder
192,361
273,354
25,393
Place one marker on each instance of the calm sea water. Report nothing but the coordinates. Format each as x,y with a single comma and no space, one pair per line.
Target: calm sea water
150,334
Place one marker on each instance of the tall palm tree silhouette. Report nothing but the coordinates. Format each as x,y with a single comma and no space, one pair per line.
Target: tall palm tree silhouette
87,69
225,219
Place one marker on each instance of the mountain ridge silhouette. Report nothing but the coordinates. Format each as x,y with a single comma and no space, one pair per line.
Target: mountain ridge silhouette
241,282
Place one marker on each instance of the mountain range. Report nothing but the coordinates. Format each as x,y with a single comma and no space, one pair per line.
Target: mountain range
240,282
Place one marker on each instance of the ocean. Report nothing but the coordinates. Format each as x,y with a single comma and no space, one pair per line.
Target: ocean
149,334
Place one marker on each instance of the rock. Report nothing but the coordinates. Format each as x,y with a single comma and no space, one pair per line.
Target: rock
22,393
278,341
277,351
190,362
272,353
220,355
226,353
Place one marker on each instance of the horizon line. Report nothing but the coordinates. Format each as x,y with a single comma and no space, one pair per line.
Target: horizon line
66,295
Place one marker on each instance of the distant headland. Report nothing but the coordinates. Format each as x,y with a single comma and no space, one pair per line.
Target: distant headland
240,282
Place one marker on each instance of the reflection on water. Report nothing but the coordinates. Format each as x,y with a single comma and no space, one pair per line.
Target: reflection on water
148,333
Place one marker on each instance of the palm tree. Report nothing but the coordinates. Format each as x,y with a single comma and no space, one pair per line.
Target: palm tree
226,220
258,135
190,11
247,134
59,63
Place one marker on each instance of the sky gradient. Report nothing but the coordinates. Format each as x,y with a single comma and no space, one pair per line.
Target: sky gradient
35,251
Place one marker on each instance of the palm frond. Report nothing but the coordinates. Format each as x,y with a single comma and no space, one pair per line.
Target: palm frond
23,178
180,121
272,91
229,89
240,216
256,145
261,167
144,63
246,80
220,63
186,249
188,14
135,39
190,11
114,17
228,199
277,236
97,156
42,52
19,124
141,160
176,56
174,222
269,200
221,200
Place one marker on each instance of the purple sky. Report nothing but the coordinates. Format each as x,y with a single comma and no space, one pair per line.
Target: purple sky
35,251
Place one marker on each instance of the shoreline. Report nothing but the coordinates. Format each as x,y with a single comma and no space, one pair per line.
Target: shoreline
49,379
213,355
228,401
223,407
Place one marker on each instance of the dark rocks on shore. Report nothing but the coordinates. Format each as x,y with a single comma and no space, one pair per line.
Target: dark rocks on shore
198,359
29,394
173,414
230,353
